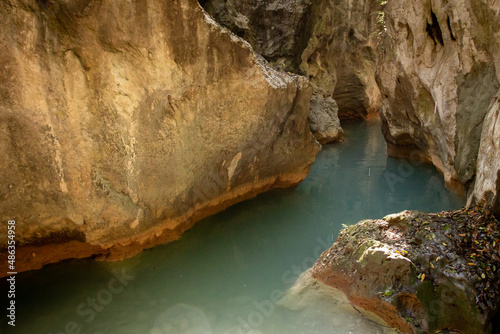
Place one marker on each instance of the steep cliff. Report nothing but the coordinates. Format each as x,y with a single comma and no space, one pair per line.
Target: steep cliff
276,29
437,65
439,74
340,56
123,123
486,188
333,43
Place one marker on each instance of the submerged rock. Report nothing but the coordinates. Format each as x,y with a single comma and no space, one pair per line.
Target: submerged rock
420,272
315,302
123,124
180,319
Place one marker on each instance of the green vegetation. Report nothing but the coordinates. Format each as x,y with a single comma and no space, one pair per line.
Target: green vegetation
381,23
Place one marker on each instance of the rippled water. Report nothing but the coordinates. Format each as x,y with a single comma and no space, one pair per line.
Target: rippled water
227,273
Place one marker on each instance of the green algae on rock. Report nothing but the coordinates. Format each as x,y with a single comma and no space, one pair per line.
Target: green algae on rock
420,272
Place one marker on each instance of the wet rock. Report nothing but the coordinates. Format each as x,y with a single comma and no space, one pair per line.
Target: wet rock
448,281
117,137
314,302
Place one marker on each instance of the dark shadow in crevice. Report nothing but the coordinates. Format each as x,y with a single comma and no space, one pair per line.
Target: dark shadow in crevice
496,323
451,31
434,30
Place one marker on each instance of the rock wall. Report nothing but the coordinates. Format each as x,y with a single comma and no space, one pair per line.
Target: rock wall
276,29
340,56
123,123
333,43
486,188
437,64
439,73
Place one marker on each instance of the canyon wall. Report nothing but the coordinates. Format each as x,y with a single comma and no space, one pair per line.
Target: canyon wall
432,67
439,74
123,123
340,55
333,43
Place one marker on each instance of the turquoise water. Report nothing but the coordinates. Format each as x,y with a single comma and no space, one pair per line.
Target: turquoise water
227,273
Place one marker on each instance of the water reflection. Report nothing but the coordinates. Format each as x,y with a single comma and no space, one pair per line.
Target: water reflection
226,273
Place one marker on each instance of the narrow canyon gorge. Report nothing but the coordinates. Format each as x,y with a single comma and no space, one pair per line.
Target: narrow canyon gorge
124,123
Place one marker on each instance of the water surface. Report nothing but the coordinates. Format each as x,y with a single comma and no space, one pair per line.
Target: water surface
225,274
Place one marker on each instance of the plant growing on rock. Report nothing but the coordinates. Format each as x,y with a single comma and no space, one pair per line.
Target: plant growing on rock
381,19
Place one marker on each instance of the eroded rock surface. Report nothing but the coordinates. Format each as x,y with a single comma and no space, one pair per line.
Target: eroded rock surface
122,124
340,56
275,29
439,73
324,121
332,43
312,301
437,65
419,272
486,188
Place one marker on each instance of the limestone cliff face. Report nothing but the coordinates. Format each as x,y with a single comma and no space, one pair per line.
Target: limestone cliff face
437,65
123,123
340,56
439,73
485,190
275,28
331,42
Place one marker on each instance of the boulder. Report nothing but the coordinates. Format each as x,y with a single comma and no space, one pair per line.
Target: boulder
324,120
122,124
420,273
